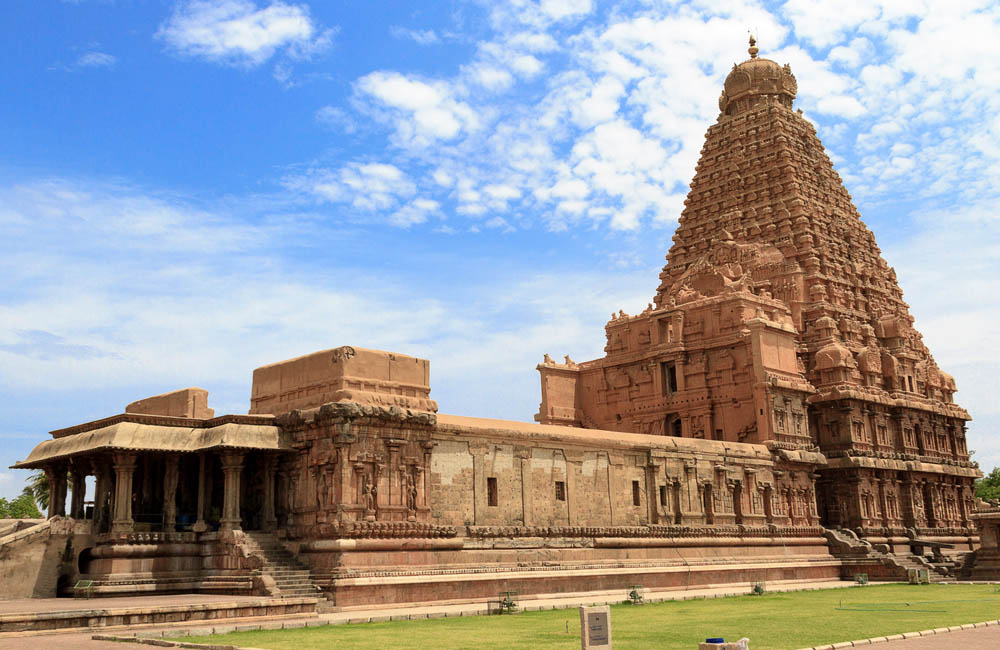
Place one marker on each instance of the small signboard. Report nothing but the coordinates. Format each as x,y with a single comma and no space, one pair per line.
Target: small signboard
595,627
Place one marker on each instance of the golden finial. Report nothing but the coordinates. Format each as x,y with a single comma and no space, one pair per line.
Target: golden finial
753,47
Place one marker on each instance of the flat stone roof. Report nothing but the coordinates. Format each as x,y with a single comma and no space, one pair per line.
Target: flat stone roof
616,439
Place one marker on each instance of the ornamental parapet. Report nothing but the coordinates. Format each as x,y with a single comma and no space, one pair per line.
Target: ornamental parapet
386,530
148,538
340,412
844,459
638,532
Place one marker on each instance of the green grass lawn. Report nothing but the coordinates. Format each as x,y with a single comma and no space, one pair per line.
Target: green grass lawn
779,621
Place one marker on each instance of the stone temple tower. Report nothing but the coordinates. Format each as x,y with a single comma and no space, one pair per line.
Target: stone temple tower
778,322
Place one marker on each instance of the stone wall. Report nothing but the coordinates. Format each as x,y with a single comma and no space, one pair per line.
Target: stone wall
346,373
184,403
382,500
31,560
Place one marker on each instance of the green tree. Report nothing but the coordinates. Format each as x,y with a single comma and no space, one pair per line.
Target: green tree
22,507
988,487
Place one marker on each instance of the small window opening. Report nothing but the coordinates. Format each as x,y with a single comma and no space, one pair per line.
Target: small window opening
560,491
669,378
635,493
909,380
675,428
718,434
663,496
618,416
492,498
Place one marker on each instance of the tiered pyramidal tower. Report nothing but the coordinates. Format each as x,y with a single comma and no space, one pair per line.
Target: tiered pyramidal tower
778,322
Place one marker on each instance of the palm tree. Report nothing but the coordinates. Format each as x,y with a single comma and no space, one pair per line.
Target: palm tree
38,487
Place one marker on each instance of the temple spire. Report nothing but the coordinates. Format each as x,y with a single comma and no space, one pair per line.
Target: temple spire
753,47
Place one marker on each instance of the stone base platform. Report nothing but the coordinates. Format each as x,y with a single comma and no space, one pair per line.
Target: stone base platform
50,614
471,585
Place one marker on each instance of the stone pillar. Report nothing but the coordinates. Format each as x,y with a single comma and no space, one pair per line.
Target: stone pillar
420,484
963,511
200,525
56,475
101,489
425,492
611,490
232,468
652,498
678,509
523,454
281,497
170,477
395,483
50,477
122,505
573,462
79,489
882,502
269,519
478,451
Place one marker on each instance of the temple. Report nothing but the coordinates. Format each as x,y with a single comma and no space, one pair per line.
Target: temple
778,322
771,416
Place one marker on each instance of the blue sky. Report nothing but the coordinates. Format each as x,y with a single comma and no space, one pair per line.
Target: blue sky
190,190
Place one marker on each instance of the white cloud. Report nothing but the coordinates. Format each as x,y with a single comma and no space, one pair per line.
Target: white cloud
338,118
238,31
96,60
88,307
946,268
598,120
490,77
414,213
421,112
824,22
419,36
366,186
558,9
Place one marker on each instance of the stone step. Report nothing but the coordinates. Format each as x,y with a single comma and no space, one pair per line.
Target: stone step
290,577
297,573
293,579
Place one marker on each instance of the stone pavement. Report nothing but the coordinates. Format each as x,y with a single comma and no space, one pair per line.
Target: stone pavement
40,605
981,638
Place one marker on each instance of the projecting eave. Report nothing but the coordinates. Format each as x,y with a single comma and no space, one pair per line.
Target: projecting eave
163,435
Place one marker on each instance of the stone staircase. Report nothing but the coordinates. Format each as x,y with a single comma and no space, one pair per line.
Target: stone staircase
845,544
907,561
290,577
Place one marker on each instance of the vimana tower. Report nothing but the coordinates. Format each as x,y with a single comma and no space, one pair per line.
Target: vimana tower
777,321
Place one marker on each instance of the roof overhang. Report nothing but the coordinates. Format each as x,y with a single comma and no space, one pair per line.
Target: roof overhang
125,434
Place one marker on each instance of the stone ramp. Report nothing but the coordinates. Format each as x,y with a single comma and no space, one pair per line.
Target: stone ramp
30,559
53,614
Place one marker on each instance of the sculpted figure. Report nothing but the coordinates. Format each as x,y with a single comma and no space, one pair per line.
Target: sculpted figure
411,492
369,493
687,294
